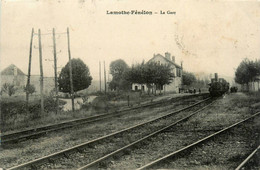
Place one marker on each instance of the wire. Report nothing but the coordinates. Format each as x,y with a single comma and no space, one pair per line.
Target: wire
51,33
61,33
43,34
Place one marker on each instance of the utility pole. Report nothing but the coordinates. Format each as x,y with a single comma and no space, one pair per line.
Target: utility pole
105,78
55,70
29,70
71,78
100,75
108,81
41,71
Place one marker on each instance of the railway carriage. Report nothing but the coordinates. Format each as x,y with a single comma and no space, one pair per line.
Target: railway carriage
233,89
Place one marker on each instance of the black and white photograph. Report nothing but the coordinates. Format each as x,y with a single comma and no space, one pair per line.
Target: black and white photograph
130,84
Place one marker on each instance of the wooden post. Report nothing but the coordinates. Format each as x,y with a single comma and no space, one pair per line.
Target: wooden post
100,75
108,81
128,100
41,71
29,69
105,78
71,78
55,71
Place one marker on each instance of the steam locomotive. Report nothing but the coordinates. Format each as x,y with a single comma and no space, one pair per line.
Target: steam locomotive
218,86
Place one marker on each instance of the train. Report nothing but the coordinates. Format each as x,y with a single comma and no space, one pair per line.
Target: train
218,86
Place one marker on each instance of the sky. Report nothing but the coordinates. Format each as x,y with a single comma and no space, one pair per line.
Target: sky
208,36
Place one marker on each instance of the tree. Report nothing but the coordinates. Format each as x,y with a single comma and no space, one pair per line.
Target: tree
9,89
30,89
150,74
118,69
136,74
188,78
80,74
246,71
160,74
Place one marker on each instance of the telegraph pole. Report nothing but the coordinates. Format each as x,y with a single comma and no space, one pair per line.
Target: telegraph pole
71,78
100,75
41,71
108,81
105,78
29,70
55,70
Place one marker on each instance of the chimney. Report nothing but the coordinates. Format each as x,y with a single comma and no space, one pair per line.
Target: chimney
173,59
168,56
216,77
15,71
181,64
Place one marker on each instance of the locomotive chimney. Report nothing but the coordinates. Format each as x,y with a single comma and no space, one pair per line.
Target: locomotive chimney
216,77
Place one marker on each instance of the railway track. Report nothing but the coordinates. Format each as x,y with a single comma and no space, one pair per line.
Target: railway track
152,125
140,140
155,163
40,131
246,161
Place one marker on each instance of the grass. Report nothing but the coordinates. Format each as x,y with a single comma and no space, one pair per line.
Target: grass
228,110
72,137
15,115
246,99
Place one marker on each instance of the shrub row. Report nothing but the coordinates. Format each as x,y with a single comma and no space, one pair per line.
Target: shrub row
12,111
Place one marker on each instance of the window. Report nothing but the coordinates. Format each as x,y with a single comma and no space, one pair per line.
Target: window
178,72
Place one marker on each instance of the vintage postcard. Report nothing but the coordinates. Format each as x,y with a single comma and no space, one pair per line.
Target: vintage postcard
129,84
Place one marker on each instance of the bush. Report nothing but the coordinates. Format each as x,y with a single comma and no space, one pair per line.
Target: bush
30,89
9,89
100,102
16,110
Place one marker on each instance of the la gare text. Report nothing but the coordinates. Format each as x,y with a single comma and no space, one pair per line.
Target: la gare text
141,12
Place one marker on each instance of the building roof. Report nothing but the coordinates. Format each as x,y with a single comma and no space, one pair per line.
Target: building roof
10,71
169,61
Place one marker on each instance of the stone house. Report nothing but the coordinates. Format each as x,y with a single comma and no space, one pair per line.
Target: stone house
14,75
176,83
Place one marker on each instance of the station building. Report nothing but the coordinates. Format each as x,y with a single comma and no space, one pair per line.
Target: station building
176,83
